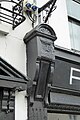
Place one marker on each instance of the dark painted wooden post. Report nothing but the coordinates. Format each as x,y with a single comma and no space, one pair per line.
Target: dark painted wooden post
40,68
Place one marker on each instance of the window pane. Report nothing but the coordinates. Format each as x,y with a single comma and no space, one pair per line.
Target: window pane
56,116
74,35
73,9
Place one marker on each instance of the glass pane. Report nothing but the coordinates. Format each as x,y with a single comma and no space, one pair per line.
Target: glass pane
71,35
68,2
75,35
56,116
73,9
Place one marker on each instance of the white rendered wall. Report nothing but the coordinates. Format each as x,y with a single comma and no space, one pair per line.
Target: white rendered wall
12,47
59,22
20,105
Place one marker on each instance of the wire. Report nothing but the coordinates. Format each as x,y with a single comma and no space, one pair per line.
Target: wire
30,17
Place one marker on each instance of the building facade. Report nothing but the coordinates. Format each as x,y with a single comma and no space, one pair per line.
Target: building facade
39,62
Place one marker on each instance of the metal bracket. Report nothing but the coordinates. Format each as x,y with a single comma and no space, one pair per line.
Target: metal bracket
51,7
13,17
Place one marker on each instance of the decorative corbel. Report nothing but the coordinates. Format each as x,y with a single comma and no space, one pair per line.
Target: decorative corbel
40,63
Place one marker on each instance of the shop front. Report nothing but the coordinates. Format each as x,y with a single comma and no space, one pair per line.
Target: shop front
64,95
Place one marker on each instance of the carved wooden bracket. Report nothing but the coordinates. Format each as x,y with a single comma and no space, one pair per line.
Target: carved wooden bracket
40,67
41,59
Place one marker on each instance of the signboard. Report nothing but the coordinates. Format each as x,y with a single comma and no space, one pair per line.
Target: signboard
60,98
66,74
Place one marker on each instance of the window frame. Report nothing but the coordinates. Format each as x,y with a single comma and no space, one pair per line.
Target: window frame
76,21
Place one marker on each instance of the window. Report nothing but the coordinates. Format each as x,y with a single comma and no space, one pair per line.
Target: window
73,10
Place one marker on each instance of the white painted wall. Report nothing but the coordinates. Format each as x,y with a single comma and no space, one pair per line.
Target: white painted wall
12,47
20,105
